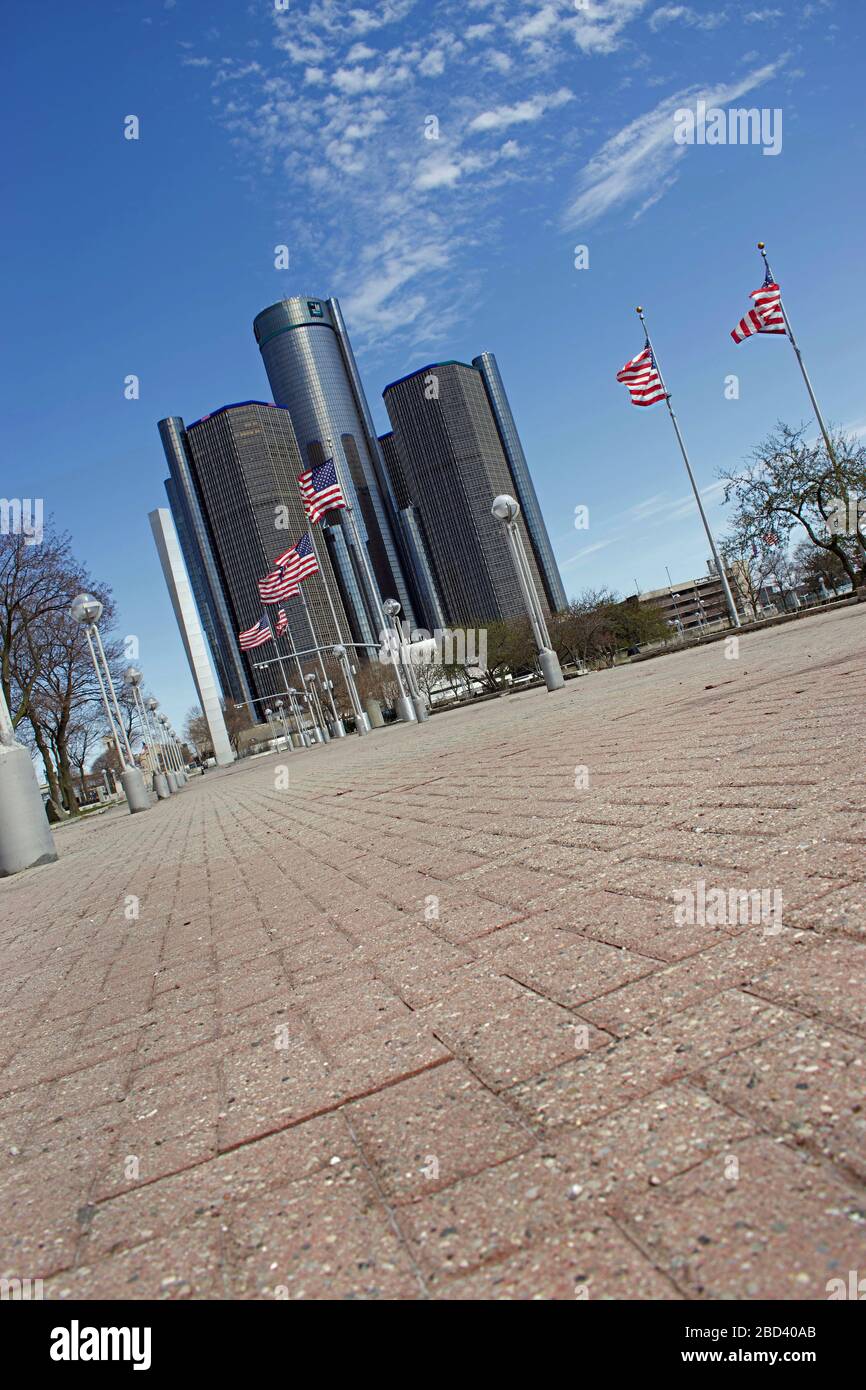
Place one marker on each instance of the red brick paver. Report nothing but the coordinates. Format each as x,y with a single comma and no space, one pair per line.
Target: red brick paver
427,1023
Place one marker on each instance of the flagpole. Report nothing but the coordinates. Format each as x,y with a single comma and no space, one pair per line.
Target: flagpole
799,356
311,529
720,569
315,638
405,708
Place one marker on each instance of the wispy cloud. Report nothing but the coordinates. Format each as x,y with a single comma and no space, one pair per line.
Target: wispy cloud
639,163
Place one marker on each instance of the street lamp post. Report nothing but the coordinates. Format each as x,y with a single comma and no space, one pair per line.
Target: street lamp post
25,836
405,707
303,736
282,709
132,678
87,610
161,756
362,724
173,753
313,696
506,509
392,609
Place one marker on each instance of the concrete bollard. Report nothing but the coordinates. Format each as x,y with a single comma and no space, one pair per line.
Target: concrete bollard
137,795
25,836
374,713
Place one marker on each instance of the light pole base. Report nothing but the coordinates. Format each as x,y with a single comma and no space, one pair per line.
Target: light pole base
318,736
362,724
25,837
421,710
137,796
171,778
406,710
551,670
338,728
374,714
160,786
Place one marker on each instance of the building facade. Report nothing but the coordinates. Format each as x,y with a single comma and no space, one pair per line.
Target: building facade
694,604
233,492
447,463
312,371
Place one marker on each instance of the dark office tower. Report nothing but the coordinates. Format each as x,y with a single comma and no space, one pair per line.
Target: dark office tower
312,371
524,488
418,555
453,465
234,496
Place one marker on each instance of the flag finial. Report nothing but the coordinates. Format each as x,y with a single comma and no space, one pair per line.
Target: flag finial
639,309
761,245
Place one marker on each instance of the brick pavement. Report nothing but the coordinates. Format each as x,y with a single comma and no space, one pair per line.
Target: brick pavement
424,1025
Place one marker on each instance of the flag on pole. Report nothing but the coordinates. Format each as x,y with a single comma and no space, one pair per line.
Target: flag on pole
766,317
300,560
641,379
281,623
280,584
255,636
320,489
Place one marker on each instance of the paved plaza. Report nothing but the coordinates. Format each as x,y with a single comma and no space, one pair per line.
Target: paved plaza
451,1014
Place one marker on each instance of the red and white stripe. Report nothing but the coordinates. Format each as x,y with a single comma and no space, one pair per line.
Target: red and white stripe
642,380
766,317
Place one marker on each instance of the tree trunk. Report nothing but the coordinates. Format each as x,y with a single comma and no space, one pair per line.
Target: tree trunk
55,797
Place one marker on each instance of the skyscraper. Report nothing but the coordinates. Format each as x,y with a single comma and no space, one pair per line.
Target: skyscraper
234,494
311,369
448,463
524,488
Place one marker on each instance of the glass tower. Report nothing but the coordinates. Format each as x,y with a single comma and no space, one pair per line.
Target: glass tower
311,369
234,494
452,465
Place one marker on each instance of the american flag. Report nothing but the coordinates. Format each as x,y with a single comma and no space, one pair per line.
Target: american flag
281,623
300,560
641,378
766,317
255,636
280,584
320,489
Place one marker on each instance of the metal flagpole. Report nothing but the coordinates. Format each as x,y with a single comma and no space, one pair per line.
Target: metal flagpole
799,356
312,534
720,569
315,638
405,708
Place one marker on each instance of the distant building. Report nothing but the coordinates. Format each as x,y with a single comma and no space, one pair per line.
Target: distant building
692,604
234,496
447,461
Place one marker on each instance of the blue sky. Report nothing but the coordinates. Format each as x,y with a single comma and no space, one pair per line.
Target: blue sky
306,127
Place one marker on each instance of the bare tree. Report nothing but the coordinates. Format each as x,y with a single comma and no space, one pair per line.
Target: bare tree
791,482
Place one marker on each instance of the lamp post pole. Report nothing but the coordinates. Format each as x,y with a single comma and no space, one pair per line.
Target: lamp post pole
361,723
392,609
87,610
162,761
132,679
282,711
405,707
173,754
312,683
506,509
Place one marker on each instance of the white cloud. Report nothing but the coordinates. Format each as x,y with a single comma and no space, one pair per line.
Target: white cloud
671,14
638,164
432,64
520,113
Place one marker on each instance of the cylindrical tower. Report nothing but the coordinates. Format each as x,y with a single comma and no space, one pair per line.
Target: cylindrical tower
312,371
